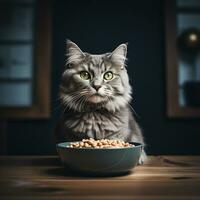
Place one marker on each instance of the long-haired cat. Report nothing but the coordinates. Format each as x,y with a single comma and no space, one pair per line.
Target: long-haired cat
95,94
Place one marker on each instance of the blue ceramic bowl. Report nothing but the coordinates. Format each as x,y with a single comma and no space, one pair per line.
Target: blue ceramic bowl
100,161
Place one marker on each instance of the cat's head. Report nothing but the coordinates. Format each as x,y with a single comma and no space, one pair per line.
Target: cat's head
95,81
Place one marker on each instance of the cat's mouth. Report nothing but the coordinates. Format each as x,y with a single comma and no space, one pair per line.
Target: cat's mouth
97,98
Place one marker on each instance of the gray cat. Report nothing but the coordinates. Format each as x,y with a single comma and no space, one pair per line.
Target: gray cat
95,94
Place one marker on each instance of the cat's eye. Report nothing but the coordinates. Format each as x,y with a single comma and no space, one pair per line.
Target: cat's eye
85,75
108,75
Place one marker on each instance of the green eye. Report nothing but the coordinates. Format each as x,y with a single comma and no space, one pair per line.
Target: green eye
85,75
108,75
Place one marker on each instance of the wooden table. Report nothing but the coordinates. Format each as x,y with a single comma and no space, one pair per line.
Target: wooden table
163,177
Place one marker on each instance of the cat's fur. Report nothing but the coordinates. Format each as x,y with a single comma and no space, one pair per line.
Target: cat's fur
99,113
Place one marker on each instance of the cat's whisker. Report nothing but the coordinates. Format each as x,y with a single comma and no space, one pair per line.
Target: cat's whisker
65,108
133,110
70,101
66,98
86,100
79,101
77,105
82,102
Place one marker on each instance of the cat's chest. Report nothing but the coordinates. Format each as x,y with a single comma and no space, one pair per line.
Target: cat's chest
94,124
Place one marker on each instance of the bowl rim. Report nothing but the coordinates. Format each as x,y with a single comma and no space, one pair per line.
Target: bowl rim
65,145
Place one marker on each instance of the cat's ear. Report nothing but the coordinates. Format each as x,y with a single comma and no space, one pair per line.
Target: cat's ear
119,55
74,53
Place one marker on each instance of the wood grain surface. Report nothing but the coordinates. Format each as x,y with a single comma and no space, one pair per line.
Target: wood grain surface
43,177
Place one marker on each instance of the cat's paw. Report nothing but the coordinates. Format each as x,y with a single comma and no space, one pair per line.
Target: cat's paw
143,158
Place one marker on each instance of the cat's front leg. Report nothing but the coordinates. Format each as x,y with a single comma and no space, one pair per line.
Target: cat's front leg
143,158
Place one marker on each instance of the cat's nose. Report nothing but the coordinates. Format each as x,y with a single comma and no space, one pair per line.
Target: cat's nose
96,87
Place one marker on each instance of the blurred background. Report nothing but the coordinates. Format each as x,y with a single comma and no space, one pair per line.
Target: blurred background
163,65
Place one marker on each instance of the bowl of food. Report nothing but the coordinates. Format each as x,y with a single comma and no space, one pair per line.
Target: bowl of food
100,156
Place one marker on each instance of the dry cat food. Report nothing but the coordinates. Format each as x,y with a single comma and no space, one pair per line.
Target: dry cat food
103,143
